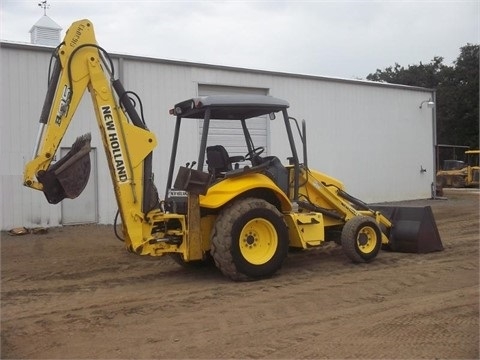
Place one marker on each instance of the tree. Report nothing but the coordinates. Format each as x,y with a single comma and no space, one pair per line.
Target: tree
457,93
415,75
463,87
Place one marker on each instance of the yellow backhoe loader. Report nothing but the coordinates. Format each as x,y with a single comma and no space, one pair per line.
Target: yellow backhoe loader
459,174
244,212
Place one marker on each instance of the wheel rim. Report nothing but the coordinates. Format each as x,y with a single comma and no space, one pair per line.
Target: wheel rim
258,241
367,239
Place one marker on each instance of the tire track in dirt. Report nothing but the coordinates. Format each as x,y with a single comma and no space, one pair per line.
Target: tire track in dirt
293,302
297,280
107,303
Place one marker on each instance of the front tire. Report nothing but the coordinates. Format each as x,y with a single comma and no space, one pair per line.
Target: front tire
361,239
249,240
458,182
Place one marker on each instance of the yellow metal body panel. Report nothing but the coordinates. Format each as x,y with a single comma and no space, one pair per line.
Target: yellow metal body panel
321,190
193,241
226,190
305,229
314,184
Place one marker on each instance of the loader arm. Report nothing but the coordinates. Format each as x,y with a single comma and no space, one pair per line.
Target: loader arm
81,64
327,195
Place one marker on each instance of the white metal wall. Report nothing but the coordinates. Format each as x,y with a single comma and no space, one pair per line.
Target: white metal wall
375,138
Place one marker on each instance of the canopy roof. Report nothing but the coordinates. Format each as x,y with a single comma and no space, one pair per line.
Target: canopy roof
226,107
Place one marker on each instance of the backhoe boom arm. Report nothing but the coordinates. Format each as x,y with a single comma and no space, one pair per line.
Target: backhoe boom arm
81,64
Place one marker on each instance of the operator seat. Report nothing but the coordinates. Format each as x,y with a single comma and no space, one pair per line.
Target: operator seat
277,172
218,161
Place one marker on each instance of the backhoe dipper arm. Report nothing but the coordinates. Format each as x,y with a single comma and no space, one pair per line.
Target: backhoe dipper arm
80,65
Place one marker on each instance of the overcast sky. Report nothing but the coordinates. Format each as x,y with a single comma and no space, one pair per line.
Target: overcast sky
346,39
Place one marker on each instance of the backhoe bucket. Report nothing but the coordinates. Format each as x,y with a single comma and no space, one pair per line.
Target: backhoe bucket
68,177
414,229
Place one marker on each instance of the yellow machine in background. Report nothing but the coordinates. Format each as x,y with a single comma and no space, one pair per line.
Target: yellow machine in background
245,212
460,174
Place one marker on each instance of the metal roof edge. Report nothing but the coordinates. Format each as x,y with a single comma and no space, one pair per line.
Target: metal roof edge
30,46
9,44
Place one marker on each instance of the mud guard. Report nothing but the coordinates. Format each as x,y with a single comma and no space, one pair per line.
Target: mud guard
414,229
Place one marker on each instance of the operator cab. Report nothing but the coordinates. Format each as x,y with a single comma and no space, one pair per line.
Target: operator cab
214,158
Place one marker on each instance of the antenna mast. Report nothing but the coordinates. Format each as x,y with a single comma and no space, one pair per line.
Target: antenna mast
45,6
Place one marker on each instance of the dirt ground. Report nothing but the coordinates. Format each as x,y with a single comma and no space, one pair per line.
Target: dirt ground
76,293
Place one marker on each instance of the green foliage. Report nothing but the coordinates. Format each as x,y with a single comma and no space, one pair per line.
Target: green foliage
457,93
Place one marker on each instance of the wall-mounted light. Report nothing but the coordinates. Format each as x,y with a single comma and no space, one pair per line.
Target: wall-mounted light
430,103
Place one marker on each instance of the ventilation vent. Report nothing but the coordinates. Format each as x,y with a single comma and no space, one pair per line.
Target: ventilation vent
45,32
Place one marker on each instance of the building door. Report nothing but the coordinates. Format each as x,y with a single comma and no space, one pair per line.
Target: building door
83,209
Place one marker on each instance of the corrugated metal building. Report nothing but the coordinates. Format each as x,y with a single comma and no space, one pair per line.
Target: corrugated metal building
374,137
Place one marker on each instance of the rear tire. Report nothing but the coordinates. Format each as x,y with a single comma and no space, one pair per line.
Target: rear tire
249,240
361,239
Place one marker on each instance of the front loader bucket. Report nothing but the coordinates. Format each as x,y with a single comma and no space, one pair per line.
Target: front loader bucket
68,177
414,229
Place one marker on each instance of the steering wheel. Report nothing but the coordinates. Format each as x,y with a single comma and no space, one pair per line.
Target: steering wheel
254,153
